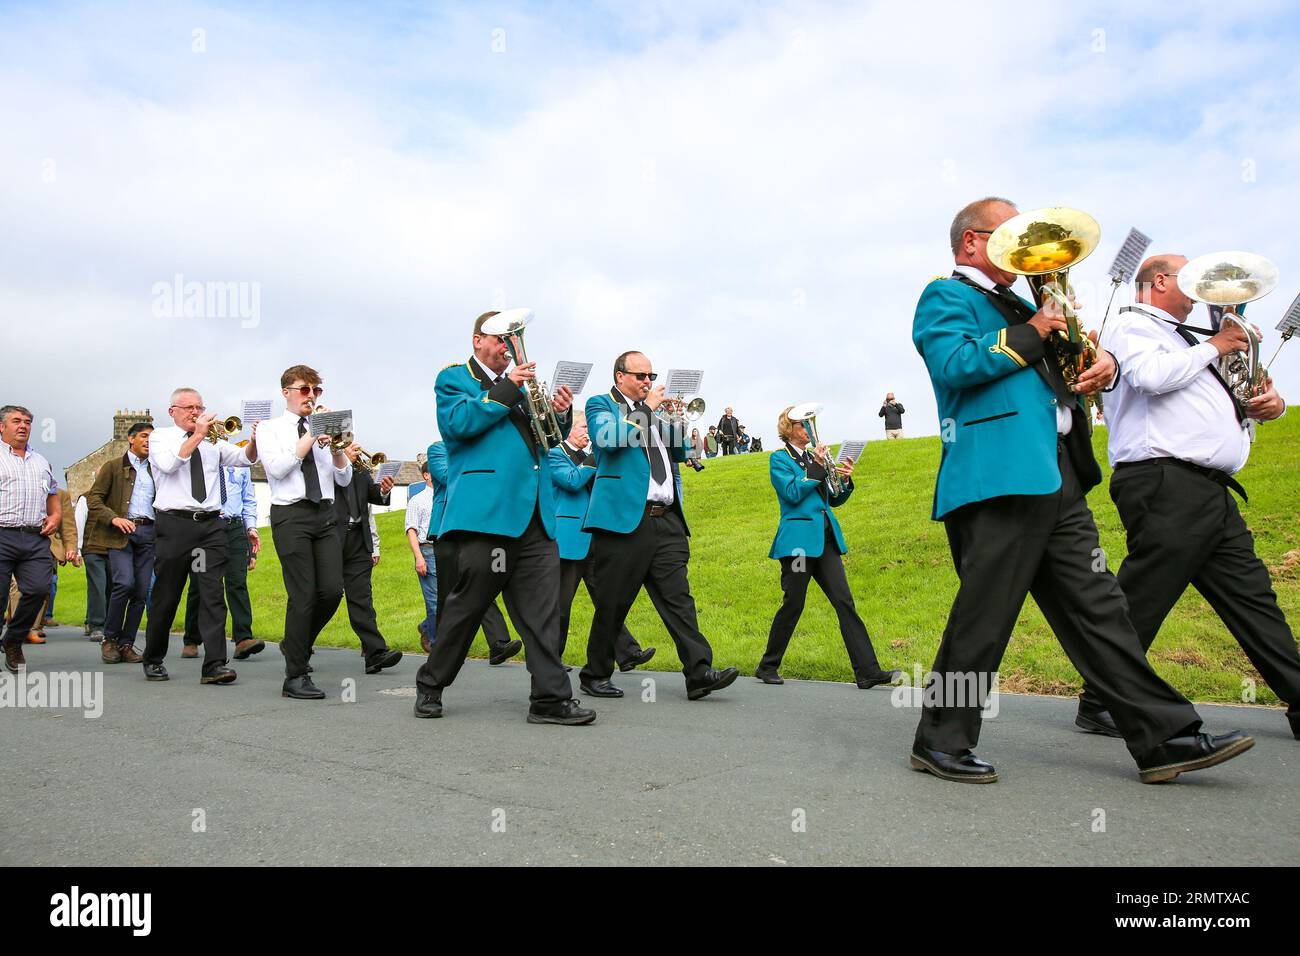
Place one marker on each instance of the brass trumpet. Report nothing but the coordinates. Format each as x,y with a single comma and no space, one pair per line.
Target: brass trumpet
340,443
221,430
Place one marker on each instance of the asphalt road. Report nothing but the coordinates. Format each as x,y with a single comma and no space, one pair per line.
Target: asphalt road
807,773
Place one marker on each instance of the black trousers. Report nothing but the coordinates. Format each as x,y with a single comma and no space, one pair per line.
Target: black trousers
132,567
357,570
25,557
494,627
237,600
571,573
312,565
198,551
526,572
828,571
1044,545
1185,529
653,556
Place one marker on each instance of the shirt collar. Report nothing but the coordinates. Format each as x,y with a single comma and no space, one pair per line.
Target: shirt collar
492,376
631,402
1156,311
979,278
131,457
10,448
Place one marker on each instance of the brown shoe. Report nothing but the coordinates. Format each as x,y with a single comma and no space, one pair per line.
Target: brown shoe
246,648
190,650
35,637
110,653
14,658
129,655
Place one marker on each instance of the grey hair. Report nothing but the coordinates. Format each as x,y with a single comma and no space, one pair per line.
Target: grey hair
178,392
8,410
971,216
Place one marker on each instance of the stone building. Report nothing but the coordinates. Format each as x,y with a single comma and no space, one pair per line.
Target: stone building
80,475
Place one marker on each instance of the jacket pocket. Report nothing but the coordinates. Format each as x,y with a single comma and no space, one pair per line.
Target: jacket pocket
480,471
991,418
797,519
609,477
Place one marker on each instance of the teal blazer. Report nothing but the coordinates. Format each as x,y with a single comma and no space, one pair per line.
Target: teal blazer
804,513
437,460
496,477
618,494
572,493
997,414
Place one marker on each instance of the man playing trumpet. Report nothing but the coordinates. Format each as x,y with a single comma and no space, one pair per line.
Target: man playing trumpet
808,544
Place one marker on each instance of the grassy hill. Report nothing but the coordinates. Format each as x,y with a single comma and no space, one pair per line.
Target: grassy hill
898,566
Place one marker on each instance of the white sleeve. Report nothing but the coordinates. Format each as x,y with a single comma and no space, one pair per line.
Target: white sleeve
1149,365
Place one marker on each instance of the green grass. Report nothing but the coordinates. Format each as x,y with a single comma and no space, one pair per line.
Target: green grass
898,566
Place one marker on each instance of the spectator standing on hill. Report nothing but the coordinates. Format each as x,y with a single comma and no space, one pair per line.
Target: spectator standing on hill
742,440
711,442
728,429
696,450
892,412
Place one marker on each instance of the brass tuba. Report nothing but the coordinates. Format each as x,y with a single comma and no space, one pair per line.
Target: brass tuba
509,326
1225,282
1042,245
807,413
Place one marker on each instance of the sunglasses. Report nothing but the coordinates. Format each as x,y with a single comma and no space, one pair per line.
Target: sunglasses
306,390
642,376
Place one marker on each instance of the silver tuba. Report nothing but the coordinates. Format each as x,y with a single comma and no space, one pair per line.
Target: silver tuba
807,413
1225,282
509,326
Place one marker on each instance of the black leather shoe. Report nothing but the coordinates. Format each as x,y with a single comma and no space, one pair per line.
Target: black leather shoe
505,652
636,660
560,712
426,705
600,688
1293,718
768,677
155,672
960,768
884,677
301,688
713,680
381,660
1096,722
1195,752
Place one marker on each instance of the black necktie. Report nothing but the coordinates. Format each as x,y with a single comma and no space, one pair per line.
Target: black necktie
198,487
657,470
221,474
309,476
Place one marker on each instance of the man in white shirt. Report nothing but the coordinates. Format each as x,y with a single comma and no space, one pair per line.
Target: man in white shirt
189,536
304,477
1176,439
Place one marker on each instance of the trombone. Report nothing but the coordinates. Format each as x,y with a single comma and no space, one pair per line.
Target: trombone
807,412
222,430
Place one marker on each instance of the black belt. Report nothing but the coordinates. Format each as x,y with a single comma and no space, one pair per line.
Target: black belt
28,528
1216,476
655,510
191,515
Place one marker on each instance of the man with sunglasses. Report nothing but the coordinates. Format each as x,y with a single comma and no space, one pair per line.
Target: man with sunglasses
1017,463
190,541
497,529
1176,437
304,476
638,530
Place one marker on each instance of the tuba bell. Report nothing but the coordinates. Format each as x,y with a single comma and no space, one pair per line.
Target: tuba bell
1042,245
1225,282
509,326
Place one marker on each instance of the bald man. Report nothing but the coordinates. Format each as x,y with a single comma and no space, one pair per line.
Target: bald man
1017,462
1176,437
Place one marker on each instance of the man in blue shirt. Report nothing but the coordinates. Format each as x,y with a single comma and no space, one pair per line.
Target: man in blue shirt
239,514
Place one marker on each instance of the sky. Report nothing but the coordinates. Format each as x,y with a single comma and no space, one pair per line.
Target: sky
756,190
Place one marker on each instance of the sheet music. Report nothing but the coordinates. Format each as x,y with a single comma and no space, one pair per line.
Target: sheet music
850,449
332,423
1129,256
572,374
1291,320
257,410
683,381
388,469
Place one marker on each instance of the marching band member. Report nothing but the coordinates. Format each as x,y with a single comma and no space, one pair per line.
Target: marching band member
30,511
1010,491
498,528
190,540
304,477
808,544
1175,440
573,469
500,645
352,525
639,532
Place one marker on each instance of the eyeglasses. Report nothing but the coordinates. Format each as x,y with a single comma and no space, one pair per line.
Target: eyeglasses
641,376
305,390
192,408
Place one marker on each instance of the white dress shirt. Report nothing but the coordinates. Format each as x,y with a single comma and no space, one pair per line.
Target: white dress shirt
1168,403
26,483
419,512
1064,416
660,493
171,473
277,441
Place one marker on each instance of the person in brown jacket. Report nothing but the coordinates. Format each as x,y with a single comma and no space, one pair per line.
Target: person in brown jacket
120,518
63,552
